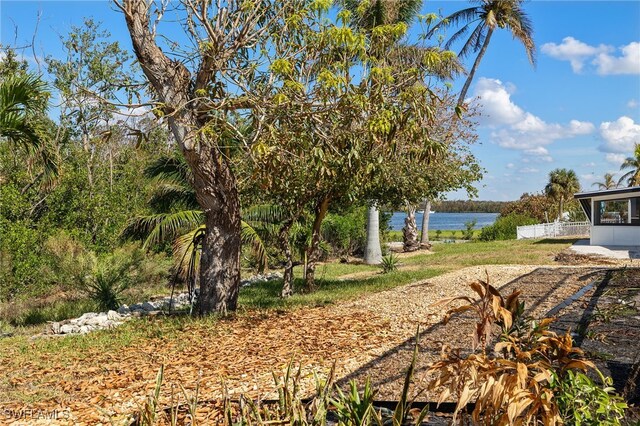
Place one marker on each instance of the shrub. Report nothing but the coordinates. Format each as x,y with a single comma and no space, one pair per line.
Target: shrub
346,233
467,234
534,376
505,227
389,263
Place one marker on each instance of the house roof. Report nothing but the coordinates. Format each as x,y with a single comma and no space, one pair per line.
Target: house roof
617,191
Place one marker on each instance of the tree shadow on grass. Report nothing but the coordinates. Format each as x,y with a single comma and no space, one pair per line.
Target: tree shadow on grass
557,241
386,371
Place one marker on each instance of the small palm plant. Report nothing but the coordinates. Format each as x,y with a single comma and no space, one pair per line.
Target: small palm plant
177,218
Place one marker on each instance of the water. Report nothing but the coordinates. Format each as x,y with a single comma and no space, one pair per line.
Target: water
445,221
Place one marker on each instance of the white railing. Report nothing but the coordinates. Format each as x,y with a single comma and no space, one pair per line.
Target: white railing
554,229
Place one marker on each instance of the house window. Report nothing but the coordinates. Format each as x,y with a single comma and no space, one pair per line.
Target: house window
618,212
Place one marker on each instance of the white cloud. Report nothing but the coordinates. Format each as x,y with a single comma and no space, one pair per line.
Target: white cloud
607,59
517,129
616,159
574,51
588,176
529,170
511,166
619,136
627,63
632,103
592,164
497,108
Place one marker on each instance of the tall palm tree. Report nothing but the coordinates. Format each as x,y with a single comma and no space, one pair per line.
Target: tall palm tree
563,183
366,16
632,177
24,99
607,183
485,18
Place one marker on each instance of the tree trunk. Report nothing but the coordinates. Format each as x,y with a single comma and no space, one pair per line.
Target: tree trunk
287,281
373,251
410,230
214,182
472,73
314,248
217,194
424,238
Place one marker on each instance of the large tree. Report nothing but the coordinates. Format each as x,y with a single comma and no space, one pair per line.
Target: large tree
563,184
200,93
485,18
632,177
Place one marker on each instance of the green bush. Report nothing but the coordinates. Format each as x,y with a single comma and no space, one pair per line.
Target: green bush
346,233
582,401
467,234
505,227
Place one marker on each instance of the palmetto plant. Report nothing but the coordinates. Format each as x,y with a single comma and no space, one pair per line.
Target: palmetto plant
485,18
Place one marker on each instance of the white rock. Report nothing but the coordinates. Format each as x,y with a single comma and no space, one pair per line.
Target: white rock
68,329
113,316
55,327
98,320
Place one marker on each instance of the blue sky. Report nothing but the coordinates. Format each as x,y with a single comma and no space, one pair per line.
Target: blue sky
579,108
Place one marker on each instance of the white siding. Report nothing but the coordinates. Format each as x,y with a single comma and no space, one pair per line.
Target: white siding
615,235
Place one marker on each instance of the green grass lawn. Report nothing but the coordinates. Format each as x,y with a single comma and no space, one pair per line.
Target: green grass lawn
435,235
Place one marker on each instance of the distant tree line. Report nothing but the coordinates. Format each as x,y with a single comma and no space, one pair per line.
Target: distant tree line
466,206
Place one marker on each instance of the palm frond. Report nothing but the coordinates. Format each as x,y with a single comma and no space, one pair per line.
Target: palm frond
250,236
162,227
167,194
186,255
169,169
266,213
468,15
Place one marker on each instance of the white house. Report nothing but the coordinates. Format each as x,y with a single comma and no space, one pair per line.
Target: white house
614,215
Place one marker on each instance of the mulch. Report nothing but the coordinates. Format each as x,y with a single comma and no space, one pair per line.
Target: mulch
370,337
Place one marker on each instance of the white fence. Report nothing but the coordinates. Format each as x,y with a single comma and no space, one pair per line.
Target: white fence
555,229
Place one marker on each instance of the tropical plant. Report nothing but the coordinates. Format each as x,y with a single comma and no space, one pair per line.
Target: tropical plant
177,219
563,184
389,263
532,376
505,227
24,99
632,177
607,183
485,19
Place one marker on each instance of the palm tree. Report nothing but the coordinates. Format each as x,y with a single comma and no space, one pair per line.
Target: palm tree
563,183
608,183
177,218
487,16
367,16
632,177
24,99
